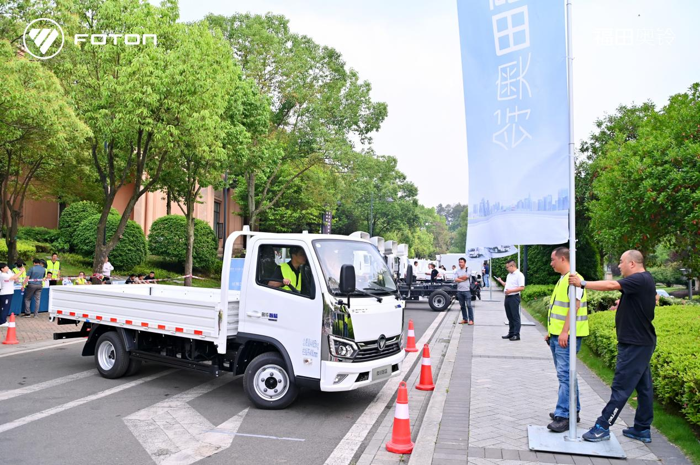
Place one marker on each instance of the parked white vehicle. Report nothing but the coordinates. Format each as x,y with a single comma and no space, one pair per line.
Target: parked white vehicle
340,331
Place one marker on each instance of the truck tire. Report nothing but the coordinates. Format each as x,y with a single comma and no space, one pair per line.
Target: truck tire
267,382
134,367
111,357
439,301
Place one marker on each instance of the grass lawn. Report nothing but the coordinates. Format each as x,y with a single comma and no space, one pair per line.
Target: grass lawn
666,419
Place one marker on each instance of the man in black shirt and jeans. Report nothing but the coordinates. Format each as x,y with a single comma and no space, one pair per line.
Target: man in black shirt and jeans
636,341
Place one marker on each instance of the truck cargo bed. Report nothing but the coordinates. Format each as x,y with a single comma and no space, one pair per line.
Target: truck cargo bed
186,311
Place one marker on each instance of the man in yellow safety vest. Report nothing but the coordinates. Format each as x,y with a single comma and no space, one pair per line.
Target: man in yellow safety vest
287,276
558,336
54,266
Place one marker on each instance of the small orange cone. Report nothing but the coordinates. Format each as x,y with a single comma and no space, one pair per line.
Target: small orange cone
11,337
426,372
401,435
411,340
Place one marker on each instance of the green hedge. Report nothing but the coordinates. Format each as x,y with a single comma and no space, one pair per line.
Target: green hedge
131,250
675,364
537,291
597,300
168,238
25,249
72,216
38,234
668,275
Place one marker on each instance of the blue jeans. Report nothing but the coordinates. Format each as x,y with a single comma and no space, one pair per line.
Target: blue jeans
465,300
486,280
561,363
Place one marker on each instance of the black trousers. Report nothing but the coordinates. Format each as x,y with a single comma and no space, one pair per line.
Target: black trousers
632,371
512,305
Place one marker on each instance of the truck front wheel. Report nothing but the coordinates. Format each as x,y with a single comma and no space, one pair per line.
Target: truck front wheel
111,357
267,382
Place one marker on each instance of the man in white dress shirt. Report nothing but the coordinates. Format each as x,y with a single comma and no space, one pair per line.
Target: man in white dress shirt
515,283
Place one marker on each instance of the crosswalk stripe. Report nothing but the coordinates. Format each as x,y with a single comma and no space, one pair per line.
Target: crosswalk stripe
45,385
78,402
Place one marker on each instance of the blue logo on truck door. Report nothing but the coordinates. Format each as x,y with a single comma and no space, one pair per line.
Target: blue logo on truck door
269,316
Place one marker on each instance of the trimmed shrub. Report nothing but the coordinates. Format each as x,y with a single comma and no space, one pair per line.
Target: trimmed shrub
73,215
536,291
599,301
38,234
539,256
675,364
168,239
129,252
668,275
25,249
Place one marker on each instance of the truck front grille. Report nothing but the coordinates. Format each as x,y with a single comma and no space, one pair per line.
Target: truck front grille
369,350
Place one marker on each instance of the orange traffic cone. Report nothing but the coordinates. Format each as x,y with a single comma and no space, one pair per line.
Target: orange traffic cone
411,340
401,435
11,337
426,372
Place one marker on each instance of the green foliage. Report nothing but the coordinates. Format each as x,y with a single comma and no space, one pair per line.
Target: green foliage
73,215
536,291
668,274
647,179
26,250
675,364
38,234
167,238
539,270
129,252
599,301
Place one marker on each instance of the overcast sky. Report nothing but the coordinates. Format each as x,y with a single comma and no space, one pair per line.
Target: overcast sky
625,51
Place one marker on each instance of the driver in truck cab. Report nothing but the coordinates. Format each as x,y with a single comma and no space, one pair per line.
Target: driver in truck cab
288,275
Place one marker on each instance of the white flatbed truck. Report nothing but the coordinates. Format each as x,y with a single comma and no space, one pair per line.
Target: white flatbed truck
338,332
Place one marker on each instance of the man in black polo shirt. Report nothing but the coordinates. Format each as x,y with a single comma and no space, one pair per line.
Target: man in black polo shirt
636,341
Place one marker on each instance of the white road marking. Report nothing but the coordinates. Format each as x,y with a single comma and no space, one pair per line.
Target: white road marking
347,447
46,384
174,433
43,348
61,408
261,436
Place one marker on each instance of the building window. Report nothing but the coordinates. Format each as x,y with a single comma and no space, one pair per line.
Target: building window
218,225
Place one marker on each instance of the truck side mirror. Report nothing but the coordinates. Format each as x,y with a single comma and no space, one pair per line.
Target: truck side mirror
347,279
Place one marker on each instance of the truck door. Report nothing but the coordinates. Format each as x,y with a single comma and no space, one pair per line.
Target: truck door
291,314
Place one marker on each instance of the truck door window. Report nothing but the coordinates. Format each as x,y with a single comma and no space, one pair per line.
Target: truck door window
285,268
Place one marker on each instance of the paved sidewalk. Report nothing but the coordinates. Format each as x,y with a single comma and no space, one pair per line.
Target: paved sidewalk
35,329
496,388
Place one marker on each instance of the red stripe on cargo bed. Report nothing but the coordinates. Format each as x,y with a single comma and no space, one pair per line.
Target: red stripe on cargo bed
179,330
144,324
72,313
99,318
161,326
60,312
129,322
85,315
113,320
197,332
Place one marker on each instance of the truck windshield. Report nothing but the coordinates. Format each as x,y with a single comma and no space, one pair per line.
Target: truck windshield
371,273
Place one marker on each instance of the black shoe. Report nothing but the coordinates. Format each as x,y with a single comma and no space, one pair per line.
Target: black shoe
559,425
25,315
514,338
578,417
507,336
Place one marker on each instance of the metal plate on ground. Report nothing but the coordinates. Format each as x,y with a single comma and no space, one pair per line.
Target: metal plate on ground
543,440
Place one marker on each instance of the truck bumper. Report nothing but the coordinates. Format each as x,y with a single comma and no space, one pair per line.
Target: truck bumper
339,376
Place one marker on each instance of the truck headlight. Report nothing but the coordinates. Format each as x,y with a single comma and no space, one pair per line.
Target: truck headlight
342,348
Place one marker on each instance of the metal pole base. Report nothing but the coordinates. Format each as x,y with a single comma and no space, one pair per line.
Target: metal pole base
543,440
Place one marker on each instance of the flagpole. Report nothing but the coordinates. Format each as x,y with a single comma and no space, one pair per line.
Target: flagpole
572,436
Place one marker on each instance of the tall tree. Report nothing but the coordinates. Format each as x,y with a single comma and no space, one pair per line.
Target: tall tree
38,128
138,99
316,104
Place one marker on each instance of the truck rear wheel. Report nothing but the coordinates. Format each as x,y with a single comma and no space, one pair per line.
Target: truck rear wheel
111,357
439,301
267,382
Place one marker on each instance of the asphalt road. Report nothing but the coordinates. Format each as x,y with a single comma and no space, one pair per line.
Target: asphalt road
84,420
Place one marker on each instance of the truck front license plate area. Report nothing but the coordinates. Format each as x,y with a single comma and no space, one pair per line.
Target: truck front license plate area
381,372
